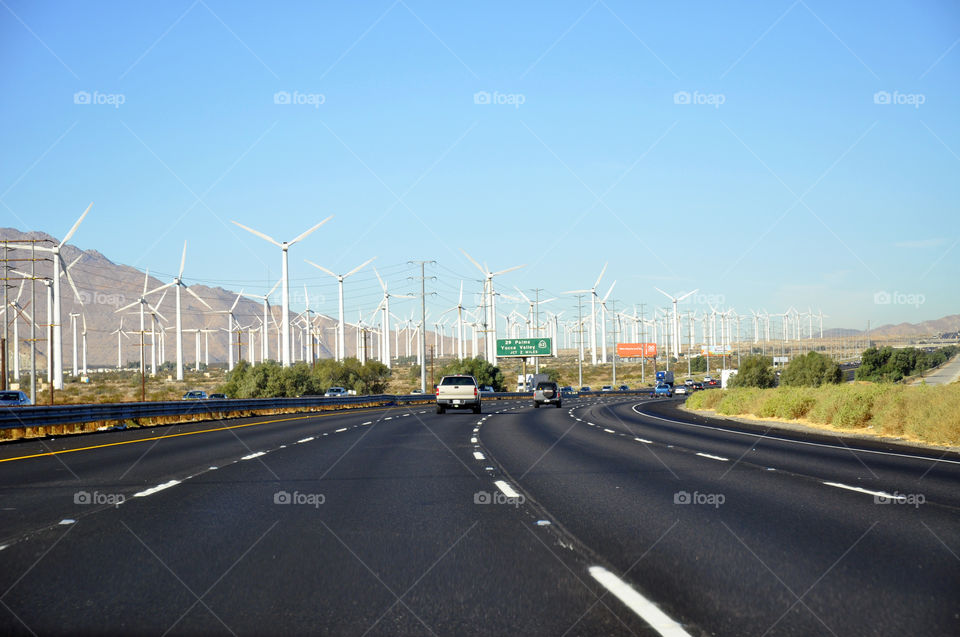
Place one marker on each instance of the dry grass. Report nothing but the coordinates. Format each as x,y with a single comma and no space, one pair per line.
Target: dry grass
924,413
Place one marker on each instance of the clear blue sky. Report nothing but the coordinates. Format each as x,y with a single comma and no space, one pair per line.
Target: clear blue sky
787,184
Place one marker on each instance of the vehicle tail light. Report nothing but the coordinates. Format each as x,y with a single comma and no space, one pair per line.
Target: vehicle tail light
476,392
437,391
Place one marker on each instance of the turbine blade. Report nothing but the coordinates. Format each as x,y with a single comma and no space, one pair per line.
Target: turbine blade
74,287
259,234
601,274
194,295
474,262
320,267
687,294
67,236
302,236
516,267
382,284
359,267
237,300
607,295
183,260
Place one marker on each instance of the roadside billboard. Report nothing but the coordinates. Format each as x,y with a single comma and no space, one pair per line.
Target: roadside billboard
637,350
716,350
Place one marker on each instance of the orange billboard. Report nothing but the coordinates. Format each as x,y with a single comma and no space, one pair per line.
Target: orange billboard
637,350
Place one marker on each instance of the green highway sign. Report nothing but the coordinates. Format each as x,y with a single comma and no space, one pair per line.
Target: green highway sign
524,347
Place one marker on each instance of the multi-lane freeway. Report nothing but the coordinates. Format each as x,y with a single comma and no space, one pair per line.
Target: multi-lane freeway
609,516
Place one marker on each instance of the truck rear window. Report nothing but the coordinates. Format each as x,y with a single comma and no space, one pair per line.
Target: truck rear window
457,380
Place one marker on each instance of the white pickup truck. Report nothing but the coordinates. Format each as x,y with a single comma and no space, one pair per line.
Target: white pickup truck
458,392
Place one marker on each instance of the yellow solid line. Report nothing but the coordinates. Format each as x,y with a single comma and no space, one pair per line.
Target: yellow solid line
185,433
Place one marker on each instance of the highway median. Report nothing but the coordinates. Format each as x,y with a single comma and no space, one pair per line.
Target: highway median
919,413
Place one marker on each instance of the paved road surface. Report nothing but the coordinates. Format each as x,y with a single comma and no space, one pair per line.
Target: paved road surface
613,516
947,373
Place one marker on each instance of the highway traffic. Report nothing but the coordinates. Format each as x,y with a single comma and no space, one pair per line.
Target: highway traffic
613,515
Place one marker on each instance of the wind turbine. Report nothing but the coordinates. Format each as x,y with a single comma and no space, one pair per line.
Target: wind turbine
603,324
141,301
20,310
267,315
676,320
340,277
386,317
230,319
119,332
459,308
593,312
178,283
58,267
491,335
285,289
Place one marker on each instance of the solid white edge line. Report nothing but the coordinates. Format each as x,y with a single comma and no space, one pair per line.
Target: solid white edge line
506,489
639,604
797,442
479,456
707,455
881,494
159,487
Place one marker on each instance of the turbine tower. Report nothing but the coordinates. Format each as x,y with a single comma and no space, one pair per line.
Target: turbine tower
178,283
341,322
491,318
593,312
285,289
676,319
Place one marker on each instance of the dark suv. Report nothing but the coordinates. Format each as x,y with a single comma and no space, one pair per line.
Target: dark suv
546,393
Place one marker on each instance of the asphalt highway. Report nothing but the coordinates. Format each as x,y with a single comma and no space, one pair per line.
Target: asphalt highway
608,516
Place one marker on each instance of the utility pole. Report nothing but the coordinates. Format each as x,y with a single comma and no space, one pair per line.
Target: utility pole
580,339
423,322
613,305
536,326
643,337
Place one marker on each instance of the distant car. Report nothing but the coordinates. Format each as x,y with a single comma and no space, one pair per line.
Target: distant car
585,388
546,393
696,385
663,389
681,389
416,391
217,397
335,392
567,390
195,394
623,388
607,388
486,390
688,382
713,382
13,398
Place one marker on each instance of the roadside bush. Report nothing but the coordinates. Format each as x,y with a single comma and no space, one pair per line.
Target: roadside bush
755,371
811,370
482,370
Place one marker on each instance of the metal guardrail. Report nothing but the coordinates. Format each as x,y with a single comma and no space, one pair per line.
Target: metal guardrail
46,415
43,415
